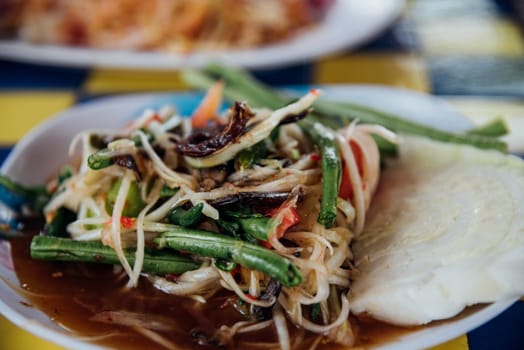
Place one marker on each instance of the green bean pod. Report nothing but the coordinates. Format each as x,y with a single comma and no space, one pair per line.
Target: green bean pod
58,226
219,246
494,128
186,217
65,249
100,159
241,86
331,169
350,112
257,226
225,265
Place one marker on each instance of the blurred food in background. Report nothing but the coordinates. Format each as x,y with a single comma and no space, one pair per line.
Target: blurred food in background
10,14
159,25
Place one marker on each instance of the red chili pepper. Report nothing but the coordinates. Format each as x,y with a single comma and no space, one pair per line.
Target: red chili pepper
173,277
251,297
265,244
236,271
315,157
125,222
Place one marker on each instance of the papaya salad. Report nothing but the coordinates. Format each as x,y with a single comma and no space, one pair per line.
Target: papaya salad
259,202
232,201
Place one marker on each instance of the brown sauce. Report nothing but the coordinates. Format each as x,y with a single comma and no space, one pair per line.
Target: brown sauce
71,294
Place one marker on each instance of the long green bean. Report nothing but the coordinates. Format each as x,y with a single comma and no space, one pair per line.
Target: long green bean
247,88
242,81
331,169
351,112
15,186
219,246
65,249
257,226
202,80
496,127
57,226
15,195
101,159
186,217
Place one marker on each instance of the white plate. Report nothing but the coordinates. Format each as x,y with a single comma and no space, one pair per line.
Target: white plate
347,24
44,149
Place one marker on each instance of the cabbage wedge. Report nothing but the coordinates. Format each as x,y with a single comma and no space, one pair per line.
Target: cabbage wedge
444,231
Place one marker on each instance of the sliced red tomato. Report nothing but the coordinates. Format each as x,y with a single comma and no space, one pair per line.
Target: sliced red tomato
288,216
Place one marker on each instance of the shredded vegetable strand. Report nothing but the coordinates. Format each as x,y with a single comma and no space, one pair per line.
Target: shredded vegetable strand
140,236
162,211
230,283
172,177
255,327
190,283
356,182
381,131
281,327
342,317
115,221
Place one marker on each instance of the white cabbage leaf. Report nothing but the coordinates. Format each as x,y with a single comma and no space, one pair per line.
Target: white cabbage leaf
444,231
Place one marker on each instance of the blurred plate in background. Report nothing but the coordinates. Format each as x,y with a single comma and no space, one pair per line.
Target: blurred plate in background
347,24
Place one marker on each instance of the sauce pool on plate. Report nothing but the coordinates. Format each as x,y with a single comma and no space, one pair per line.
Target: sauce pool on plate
88,299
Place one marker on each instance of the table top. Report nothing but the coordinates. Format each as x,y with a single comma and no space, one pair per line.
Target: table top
469,52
